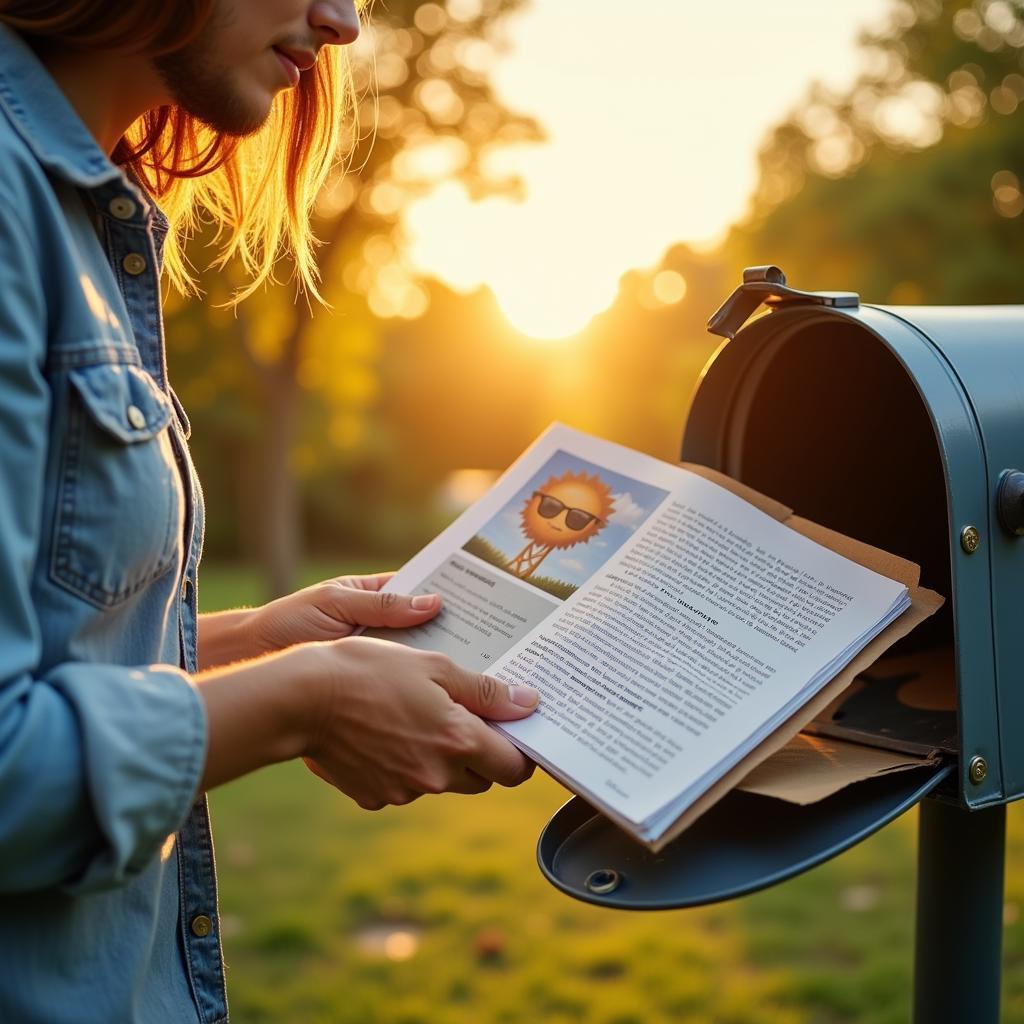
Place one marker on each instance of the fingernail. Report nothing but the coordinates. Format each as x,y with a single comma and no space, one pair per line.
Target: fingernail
524,696
423,602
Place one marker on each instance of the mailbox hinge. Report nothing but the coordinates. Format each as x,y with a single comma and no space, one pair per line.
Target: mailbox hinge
768,285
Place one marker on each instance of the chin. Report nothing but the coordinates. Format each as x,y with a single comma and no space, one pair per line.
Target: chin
228,104
234,113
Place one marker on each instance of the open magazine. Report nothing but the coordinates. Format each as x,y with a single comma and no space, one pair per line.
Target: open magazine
671,626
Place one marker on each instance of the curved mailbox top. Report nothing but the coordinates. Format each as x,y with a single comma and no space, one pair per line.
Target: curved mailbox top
984,348
744,843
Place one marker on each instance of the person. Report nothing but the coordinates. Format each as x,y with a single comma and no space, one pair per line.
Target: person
120,705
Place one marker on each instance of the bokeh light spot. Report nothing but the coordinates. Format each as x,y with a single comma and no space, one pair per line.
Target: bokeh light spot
669,287
464,10
430,19
392,941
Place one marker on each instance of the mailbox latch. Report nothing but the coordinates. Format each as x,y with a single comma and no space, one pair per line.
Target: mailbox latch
768,285
1010,501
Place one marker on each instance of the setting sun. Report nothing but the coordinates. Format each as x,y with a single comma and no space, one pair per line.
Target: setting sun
651,139
540,300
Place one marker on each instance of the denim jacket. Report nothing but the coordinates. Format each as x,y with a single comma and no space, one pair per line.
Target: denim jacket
107,891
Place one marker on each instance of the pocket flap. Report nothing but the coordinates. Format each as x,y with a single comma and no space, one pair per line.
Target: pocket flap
122,399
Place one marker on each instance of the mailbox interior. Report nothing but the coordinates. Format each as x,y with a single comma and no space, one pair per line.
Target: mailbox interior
822,416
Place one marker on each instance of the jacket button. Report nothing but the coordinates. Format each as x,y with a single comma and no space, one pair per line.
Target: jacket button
201,926
122,208
134,263
136,417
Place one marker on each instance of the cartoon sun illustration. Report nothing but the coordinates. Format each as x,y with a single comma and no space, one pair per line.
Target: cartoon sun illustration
567,510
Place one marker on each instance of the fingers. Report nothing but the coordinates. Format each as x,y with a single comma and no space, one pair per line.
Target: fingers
409,722
464,781
483,751
469,782
498,760
383,608
316,769
484,695
490,754
372,582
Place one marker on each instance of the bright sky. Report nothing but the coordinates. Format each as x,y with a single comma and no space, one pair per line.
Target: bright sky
654,113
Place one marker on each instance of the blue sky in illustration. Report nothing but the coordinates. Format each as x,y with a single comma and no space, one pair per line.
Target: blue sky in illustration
634,502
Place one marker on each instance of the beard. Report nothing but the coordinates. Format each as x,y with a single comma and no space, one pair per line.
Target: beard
203,88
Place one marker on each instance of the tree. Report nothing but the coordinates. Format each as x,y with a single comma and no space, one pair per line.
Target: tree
427,112
907,187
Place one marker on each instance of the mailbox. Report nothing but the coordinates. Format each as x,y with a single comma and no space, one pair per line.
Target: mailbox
903,427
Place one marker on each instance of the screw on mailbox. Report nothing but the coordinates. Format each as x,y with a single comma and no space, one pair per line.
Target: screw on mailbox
603,881
970,539
978,770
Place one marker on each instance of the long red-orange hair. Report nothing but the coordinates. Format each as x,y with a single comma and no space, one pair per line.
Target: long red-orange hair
259,189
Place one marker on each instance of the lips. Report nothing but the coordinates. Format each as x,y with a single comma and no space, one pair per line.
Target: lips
295,59
291,69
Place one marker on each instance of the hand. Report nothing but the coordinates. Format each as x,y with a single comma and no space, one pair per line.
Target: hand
395,723
335,609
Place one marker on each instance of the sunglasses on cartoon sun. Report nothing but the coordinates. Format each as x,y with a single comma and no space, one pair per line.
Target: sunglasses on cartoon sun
575,518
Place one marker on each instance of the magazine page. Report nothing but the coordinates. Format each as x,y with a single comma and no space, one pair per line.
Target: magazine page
668,624
546,528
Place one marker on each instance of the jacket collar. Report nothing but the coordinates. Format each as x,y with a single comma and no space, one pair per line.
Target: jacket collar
43,117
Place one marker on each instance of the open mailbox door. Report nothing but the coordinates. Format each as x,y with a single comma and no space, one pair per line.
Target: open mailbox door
744,843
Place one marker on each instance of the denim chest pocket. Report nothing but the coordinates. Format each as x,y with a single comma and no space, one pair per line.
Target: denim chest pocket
120,507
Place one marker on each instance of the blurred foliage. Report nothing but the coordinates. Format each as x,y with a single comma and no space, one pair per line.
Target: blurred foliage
907,187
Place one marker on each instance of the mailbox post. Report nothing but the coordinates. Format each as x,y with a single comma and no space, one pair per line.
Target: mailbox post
959,925
903,427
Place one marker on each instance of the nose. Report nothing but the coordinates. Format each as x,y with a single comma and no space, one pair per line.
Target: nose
335,22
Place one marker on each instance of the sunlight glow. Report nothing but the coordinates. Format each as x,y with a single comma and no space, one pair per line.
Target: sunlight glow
540,299
653,115
464,486
669,287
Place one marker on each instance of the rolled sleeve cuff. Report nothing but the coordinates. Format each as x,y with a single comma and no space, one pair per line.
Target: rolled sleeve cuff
144,739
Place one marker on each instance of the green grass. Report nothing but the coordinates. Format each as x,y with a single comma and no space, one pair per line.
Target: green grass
304,872
485,550
557,588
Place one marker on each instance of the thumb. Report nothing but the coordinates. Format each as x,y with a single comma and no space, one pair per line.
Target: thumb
383,608
486,696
